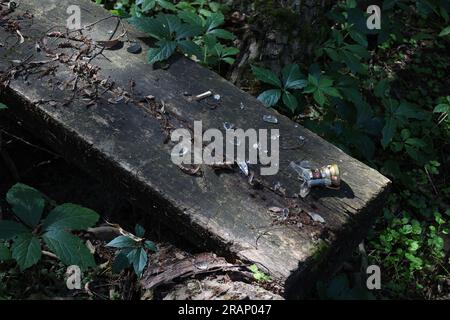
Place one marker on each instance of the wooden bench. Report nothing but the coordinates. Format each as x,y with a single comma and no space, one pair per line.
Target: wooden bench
120,137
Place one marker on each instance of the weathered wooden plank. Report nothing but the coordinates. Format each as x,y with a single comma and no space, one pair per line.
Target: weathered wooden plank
123,143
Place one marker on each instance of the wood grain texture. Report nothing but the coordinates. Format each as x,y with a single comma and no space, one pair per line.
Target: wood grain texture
123,144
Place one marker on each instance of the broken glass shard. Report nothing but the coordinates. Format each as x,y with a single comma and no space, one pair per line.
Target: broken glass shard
243,166
270,119
285,214
228,126
316,217
304,189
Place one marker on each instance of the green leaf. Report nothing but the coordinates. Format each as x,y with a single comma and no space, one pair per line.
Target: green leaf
163,52
120,262
139,231
270,97
3,106
150,245
266,76
292,77
333,92
151,26
190,49
71,217
166,5
442,108
352,62
69,248
213,21
358,50
332,54
229,60
191,18
171,23
445,32
27,203
358,37
319,97
408,111
138,257
230,51
10,229
26,250
122,242
185,30
148,5
313,80
223,34
388,132
290,101
5,253
382,88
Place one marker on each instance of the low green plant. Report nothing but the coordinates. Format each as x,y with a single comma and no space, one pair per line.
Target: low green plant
411,249
443,109
291,79
3,106
258,274
190,33
133,251
24,235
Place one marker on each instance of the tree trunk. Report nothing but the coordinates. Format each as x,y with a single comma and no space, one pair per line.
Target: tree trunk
276,33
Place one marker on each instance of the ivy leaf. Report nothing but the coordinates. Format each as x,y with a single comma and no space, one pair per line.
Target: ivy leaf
121,242
69,248
120,262
186,30
290,101
138,257
150,245
352,62
26,250
333,92
150,26
382,88
270,97
213,21
171,23
190,49
358,37
292,77
319,97
10,229
442,108
229,51
3,106
166,5
191,18
139,230
266,76
164,50
5,253
70,216
148,5
229,60
223,34
445,32
27,203
388,132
